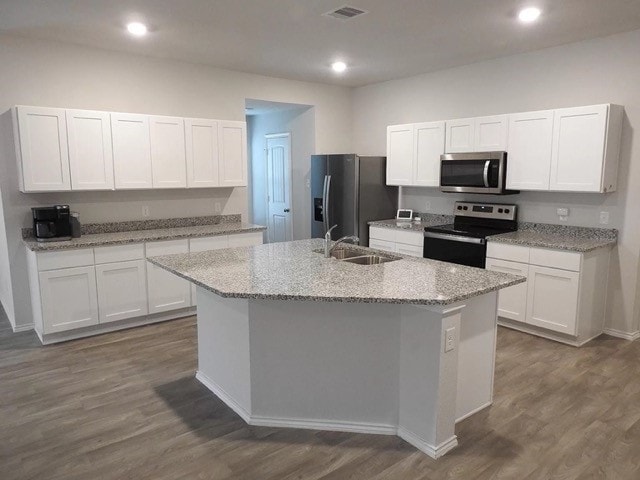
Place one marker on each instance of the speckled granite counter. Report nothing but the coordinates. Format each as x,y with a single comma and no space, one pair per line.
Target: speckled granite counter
138,236
559,237
427,220
293,271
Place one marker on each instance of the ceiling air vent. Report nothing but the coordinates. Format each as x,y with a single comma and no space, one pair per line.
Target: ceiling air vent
345,13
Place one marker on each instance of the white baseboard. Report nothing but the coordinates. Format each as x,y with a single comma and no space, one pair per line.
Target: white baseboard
334,426
474,411
22,328
423,446
631,336
224,396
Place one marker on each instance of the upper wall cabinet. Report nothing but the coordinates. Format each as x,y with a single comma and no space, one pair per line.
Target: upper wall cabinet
61,150
41,149
413,154
529,150
482,134
168,163
202,152
90,150
131,151
233,154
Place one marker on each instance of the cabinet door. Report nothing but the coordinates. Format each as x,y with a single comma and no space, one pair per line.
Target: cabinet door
429,145
131,151
122,290
460,135
233,154
400,154
90,150
202,245
168,160
529,150
69,299
382,245
202,153
577,159
166,291
552,299
42,138
512,301
491,133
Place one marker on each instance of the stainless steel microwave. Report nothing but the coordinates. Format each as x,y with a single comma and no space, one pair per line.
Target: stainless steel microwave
481,172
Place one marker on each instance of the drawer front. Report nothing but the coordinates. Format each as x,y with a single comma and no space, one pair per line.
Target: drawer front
382,245
512,301
208,243
119,253
245,239
378,233
503,251
556,259
169,247
410,238
65,259
411,250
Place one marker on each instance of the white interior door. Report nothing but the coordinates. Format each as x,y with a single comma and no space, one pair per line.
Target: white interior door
280,227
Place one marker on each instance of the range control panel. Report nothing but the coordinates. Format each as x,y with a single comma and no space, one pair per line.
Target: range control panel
485,210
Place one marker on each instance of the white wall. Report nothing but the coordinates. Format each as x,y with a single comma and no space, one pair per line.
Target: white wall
300,123
605,70
59,75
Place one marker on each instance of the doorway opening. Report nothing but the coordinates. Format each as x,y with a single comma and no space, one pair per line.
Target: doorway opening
281,138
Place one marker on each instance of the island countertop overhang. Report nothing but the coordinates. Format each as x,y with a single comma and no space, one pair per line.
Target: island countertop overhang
294,271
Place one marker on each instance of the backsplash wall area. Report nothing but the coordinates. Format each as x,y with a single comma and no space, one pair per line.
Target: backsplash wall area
603,70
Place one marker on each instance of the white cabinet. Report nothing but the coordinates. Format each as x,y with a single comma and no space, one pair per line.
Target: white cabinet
245,239
585,148
41,149
512,300
529,150
166,291
552,299
413,154
131,151
233,154
202,153
168,161
396,240
122,282
481,134
90,150
563,297
68,299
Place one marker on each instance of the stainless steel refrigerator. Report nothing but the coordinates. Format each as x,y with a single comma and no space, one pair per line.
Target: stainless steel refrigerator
349,191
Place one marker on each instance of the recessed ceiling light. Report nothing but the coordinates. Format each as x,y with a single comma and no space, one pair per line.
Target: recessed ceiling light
529,14
339,67
137,29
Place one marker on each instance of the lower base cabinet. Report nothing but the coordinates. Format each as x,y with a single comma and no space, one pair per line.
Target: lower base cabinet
564,296
166,291
122,290
397,241
69,298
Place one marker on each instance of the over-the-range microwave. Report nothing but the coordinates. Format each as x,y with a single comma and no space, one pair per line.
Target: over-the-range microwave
479,172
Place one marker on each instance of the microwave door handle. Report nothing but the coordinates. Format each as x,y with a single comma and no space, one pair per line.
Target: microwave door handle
485,174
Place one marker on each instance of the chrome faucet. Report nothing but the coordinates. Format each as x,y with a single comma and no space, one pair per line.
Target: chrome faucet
328,248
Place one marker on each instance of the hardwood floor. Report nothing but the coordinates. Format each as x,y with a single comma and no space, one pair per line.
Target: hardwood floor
126,405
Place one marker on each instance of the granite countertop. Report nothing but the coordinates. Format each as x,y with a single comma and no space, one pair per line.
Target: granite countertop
426,220
573,239
138,236
294,271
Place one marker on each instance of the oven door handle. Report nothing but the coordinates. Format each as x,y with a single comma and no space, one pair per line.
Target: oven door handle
455,238
485,174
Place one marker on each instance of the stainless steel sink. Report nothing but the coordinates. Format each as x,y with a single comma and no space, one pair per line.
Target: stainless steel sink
369,260
344,253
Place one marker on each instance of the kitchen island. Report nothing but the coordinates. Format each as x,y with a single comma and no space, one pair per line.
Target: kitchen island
289,338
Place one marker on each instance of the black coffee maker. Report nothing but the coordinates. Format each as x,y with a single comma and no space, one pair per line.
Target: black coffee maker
52,224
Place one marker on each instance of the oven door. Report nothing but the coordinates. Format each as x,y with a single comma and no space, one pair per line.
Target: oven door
473,172
455,249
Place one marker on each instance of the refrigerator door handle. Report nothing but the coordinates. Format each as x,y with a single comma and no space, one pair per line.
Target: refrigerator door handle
326,204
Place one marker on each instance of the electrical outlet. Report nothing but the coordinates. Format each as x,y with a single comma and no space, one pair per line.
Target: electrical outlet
563,214
427,206
449,339
604,218
216,207
145,211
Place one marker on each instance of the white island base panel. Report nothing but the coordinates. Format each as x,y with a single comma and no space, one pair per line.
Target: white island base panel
356,367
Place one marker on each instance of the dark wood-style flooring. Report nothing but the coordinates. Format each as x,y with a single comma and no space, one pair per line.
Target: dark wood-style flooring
126,406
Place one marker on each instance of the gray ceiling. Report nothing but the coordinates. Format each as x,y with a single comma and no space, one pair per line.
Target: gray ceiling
291,38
